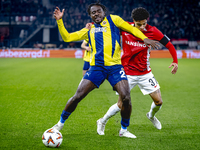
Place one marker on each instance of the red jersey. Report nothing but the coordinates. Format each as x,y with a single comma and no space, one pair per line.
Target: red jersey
135,58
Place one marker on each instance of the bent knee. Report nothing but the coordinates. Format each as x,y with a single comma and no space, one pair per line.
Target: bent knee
159,102
126,100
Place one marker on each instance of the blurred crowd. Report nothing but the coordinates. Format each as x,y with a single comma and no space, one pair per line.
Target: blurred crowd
177,19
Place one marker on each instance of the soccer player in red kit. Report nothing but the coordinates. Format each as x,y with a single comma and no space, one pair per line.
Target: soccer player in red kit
135,60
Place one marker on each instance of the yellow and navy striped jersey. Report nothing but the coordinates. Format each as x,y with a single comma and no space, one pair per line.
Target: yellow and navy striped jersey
86,56
104,39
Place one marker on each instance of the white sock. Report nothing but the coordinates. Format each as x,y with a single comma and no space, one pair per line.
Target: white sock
154,109
60,124
123,130
113,110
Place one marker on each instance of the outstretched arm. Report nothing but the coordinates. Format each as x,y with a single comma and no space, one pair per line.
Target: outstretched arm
151,43
164,40
135,31
69,37
172,51
58,14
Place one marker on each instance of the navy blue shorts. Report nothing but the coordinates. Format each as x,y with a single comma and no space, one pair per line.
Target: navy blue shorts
97,74
86,65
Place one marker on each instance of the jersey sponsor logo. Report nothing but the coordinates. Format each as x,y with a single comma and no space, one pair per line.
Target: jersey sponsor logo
99,29
138,44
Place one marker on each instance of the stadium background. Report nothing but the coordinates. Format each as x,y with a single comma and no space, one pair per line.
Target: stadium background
30,25
33,92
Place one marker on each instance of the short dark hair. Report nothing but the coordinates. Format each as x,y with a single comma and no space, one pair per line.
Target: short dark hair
140,13
97,4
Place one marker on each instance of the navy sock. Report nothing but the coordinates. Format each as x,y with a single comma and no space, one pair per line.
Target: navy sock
64,116
125,123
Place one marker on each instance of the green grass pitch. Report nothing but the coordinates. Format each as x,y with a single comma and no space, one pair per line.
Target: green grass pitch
33,93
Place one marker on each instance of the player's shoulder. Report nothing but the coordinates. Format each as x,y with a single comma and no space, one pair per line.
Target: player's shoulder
155,30
113,17
151,28
157,34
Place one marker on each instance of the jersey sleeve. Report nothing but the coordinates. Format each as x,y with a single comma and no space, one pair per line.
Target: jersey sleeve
158,35
86,40
172,51
74,36
120,23
163,39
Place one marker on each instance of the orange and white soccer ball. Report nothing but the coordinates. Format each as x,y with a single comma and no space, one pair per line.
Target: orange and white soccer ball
52,138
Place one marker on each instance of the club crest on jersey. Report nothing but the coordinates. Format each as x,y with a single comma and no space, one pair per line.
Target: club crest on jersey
104,22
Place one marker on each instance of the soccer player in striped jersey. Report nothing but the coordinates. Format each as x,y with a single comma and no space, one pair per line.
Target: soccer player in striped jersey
104,42
86,56
135,60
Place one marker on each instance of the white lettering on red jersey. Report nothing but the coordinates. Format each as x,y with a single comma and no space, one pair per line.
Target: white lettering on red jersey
135,58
